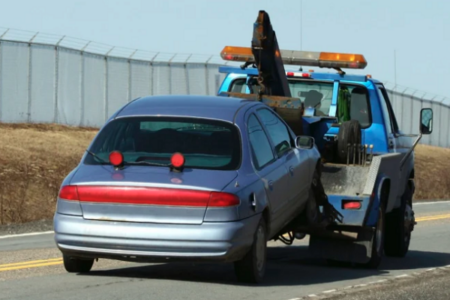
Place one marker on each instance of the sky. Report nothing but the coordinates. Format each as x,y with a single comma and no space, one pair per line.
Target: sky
406,42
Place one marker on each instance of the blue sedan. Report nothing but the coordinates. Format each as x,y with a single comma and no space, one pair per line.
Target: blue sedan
185,178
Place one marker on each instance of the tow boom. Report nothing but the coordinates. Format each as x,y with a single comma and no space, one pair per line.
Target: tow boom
272,75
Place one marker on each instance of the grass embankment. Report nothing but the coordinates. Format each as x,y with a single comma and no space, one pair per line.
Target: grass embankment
34,160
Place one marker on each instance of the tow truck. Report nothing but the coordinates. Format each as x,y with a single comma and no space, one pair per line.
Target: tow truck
367,162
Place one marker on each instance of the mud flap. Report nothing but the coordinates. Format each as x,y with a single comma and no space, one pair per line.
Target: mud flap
357,251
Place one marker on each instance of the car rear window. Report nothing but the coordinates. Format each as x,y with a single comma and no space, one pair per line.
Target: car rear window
206,144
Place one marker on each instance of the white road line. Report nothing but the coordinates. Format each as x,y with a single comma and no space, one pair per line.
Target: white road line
431,269
312,295
434,202
402,276
329,291
25,234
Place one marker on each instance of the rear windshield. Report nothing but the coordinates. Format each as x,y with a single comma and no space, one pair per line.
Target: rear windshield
206,144
312,93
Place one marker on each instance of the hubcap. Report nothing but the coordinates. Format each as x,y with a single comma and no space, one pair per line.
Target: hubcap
260,249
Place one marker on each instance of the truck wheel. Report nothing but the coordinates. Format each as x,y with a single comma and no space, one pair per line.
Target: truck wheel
349,133
399,224
377,241
77,265
252,266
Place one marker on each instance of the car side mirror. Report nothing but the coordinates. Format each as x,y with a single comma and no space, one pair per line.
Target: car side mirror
304,142
426,121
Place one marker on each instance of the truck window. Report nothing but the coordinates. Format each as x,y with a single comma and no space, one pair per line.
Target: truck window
353,104
259,144
238,86
277,130
313,94
384,97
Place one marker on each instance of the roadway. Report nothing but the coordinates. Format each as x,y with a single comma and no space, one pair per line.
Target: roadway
31,268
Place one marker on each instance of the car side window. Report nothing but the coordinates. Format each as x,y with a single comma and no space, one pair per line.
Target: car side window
259,144
277,130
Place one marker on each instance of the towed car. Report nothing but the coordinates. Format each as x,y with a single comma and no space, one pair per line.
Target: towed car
185,178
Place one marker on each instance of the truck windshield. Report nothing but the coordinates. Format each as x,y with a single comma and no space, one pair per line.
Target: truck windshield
206,144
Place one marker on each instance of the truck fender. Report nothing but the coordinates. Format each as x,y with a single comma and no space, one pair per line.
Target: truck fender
376,199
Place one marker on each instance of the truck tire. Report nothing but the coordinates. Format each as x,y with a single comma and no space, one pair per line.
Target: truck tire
252,266
77,265
399,227
349,133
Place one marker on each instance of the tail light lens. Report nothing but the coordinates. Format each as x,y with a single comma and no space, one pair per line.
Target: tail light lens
351,204
147,196
223,200
69,192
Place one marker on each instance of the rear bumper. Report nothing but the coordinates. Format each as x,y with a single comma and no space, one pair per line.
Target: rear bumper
224,241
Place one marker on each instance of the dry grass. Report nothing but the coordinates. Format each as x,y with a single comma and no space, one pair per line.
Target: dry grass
35,158
432,165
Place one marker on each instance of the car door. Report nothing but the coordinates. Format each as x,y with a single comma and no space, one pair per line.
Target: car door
269,169
295,161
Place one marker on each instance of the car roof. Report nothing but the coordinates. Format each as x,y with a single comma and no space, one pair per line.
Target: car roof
212,107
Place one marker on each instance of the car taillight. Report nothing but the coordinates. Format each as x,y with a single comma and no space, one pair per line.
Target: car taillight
351,204
223,200
69,192
148,196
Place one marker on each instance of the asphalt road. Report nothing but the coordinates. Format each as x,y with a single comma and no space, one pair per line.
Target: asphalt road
31,268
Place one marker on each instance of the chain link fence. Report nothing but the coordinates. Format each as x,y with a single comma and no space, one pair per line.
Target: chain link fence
58,79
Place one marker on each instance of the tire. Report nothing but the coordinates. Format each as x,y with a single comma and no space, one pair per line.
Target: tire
77,265
251,268
349,133
398,228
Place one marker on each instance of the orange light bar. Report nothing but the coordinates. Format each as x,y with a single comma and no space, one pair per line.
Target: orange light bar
301,58
237,53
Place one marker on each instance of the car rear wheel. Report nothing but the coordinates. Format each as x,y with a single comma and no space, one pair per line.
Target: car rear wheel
77,265
252,266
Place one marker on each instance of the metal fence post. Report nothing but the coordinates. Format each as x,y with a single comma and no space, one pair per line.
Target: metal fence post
30,79
152,79
106,104
130,75
170,73
187,75
207,75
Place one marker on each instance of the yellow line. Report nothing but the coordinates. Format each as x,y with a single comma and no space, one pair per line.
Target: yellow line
58,261
30,262
31,266
431,218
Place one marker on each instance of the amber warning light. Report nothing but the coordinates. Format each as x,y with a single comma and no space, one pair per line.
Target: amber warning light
301,58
